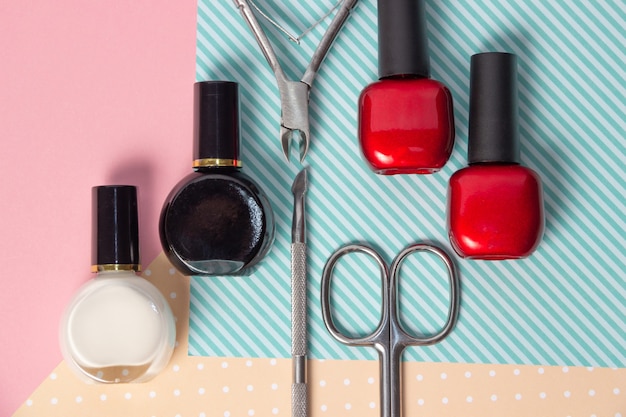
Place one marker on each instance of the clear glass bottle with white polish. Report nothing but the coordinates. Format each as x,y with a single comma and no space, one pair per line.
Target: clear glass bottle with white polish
118,327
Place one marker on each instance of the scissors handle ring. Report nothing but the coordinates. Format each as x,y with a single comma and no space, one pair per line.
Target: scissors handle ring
454,285
372,338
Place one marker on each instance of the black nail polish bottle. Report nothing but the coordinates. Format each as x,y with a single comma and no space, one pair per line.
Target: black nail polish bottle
216,221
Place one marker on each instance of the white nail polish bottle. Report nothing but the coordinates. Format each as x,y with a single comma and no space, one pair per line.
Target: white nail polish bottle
118,327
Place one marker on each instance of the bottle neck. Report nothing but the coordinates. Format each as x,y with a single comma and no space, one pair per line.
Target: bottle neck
102,268
216,163
488,163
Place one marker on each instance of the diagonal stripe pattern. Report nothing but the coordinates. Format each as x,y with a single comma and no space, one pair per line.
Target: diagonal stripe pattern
565,305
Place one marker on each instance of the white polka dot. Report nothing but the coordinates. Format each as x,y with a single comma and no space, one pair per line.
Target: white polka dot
273,362
172,295
494,397
274,387
372,404
224,365
444,400
250,388
565,369
542,395
226,413
175,368
201,391
518,397
592,393
492,373
567,394
250,412
152,394
590,368
419,377
54,401
202,415
172,271
147,272
225,389
540,371
323,407
468,374
420,402
346,381
616,391
370,380
125,372
53,376
200,366
618,414
322,383
176,393
274,410
348,406
128,396
516,372
29,402
248,364
103,397
469,399
444,375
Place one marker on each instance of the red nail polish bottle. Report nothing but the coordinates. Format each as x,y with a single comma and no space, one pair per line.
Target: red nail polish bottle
495,206
406,122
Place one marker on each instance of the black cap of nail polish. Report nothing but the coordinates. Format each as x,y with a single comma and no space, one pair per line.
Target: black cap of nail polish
115,228
402,38
216,124
493,112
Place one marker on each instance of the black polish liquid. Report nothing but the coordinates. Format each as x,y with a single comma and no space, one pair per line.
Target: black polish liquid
216,224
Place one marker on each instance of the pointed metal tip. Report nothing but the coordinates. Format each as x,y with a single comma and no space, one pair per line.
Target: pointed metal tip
304,146
300,184
285,141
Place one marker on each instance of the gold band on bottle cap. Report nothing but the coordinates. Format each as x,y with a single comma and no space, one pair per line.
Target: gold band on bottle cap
216,162
115,267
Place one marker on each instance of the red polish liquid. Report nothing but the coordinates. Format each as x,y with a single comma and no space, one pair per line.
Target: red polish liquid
406,125
495,211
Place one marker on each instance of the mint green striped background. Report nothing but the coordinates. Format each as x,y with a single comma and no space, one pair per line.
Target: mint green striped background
564,305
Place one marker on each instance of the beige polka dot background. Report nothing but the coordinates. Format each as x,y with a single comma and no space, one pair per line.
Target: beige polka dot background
229,387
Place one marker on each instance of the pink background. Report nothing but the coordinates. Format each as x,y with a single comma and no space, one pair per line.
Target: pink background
91,93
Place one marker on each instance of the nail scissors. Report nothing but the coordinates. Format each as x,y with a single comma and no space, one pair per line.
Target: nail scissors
294,95
389,338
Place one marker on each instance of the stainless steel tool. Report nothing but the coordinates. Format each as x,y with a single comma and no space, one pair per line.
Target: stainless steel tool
299,400
294,95
389,338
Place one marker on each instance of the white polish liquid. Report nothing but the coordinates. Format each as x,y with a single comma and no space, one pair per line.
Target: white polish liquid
118,328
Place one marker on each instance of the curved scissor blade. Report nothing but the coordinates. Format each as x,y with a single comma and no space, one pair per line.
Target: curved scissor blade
286,136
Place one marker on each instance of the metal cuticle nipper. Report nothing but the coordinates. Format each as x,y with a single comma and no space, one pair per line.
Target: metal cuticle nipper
294,95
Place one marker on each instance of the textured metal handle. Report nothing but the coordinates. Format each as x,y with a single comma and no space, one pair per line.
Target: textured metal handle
298,400
298,329
298,299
